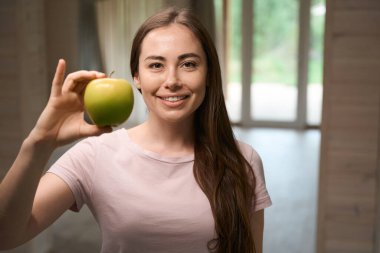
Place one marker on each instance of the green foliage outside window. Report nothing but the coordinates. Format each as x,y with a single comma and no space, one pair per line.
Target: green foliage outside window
275,41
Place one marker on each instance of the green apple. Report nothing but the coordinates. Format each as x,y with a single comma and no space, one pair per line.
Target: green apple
108,101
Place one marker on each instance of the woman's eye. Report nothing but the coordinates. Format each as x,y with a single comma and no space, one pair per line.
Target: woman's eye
189,65
155,65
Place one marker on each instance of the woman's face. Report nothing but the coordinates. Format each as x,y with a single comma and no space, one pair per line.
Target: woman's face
172,73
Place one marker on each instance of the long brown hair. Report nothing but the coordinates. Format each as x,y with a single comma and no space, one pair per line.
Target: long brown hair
220,169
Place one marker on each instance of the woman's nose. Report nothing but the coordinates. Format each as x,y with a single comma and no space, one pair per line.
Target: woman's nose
172,81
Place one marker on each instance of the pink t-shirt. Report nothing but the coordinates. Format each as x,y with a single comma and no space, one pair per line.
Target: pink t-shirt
143,201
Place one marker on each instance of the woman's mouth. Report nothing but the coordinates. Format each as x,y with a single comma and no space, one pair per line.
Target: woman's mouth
173,98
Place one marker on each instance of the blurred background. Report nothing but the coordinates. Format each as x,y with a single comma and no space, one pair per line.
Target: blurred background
301,83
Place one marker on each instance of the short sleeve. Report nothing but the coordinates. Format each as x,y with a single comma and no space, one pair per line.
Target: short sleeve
261,199
261,196
75,167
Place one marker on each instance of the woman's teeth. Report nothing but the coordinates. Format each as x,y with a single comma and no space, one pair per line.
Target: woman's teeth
173,99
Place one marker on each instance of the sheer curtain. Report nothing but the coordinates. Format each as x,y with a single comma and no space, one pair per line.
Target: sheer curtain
117,22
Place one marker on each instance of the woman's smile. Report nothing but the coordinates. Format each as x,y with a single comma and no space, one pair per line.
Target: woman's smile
173,99
173,102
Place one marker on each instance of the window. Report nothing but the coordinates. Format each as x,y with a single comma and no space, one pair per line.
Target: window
273,61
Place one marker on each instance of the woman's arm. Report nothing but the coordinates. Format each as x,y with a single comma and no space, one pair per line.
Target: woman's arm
21,208
258,230
24,210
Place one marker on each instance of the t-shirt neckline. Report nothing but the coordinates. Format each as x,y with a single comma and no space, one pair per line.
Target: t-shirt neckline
156,156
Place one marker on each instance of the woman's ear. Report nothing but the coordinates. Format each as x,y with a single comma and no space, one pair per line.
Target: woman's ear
136,80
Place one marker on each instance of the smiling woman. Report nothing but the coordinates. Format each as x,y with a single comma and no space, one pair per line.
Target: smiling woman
213,138
178,182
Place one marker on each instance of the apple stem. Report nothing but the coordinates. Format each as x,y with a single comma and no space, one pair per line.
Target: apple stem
113,71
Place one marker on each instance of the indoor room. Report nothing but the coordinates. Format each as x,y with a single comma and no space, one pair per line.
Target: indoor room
301,85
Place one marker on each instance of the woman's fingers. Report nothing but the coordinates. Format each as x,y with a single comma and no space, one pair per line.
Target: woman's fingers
59,78
77,81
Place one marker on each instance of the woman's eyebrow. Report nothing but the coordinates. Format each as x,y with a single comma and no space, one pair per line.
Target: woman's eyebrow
181,57
155,57
188,55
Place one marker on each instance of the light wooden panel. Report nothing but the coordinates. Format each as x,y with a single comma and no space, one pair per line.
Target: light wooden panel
349,183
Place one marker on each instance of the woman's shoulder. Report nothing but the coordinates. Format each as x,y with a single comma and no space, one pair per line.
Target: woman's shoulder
248,151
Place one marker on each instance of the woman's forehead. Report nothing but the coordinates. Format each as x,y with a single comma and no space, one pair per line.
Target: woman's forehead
172,39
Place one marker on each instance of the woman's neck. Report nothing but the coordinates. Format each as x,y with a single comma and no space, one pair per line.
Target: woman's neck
172,139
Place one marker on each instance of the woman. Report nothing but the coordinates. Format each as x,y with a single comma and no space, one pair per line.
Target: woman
179,182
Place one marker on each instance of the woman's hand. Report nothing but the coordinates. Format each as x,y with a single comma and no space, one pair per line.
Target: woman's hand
62,122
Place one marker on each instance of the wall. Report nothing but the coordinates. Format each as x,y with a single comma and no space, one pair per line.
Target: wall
349,165
10,82
22,78
33,35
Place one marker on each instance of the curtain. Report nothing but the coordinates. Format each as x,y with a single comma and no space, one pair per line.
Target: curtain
89,48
